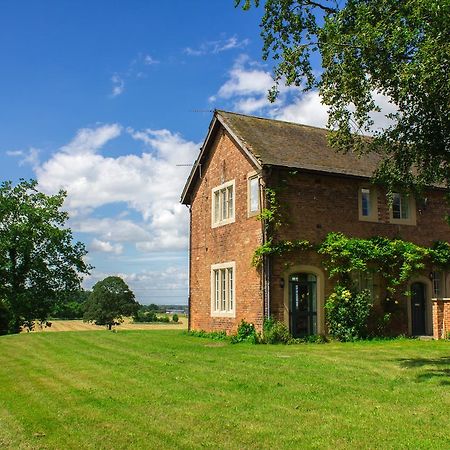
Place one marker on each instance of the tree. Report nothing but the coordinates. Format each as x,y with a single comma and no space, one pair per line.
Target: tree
70,305
38,258
400,49
111,299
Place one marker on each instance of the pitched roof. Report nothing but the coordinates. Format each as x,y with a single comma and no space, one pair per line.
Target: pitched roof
287,144
268,142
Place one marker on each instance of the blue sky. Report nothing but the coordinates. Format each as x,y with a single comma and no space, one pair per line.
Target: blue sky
106,98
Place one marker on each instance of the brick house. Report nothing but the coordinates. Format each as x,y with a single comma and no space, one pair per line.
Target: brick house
325,191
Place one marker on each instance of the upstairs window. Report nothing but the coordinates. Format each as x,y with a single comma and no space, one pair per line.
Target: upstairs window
253,195
222,289
223,204
365,202
367,199
403,209
437,284
400,206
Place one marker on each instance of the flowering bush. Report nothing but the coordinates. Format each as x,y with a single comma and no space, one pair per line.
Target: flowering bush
347,313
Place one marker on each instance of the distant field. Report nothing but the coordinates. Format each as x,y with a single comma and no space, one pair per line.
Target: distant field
165,389
79,325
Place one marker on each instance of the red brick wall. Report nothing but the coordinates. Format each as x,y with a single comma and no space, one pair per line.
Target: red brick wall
314,205
318,204
441,319
232,242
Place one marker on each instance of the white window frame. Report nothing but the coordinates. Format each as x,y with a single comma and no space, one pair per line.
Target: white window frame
223,292
442,282
373,204
365,280
438,284
229,218
411,202
253,176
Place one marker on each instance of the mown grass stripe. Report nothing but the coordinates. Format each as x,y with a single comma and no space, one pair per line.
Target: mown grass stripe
163,389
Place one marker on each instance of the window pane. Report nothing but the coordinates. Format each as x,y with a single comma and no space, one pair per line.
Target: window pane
224,289
216,290
405,206
216,206
230,289
230,202
396,206
437,283
223,198
254,194
365,199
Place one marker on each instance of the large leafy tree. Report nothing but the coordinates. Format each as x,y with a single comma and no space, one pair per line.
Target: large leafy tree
70,305
110,300
38,258
400,49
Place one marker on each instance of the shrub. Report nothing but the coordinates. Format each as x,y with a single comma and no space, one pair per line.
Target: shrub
5,318
164,319
311,339
175,318
145,316
246,333
275,332
214,335
347,313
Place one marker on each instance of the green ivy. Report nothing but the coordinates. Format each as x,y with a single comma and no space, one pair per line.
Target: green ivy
280,248
394,259
271,215
440,254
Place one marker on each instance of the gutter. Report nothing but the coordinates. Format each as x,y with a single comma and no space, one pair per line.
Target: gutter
266,259
189,266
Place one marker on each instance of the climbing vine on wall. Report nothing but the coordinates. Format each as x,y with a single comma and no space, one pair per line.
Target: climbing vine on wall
395,260
440,254
271,215
279,248
347,308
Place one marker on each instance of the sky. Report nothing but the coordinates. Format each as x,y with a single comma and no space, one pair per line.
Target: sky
111,101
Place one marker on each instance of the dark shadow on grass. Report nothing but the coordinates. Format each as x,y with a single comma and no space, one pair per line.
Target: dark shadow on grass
438,368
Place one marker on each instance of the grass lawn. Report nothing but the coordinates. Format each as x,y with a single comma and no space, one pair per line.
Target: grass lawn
164,389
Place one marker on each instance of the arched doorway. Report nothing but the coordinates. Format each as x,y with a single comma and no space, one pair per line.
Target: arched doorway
303,304
418,309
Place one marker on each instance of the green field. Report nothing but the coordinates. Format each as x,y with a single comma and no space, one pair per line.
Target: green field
164,389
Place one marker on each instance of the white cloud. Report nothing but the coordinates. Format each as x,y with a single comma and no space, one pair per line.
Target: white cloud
306,109
106,247
169,278
111,229
149,185
387,107
217,46
149,60
137,69
118,85
30,157
168,285
89,140
247,87
14,152
244,81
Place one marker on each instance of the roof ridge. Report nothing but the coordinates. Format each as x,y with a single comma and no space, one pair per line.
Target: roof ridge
219,111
